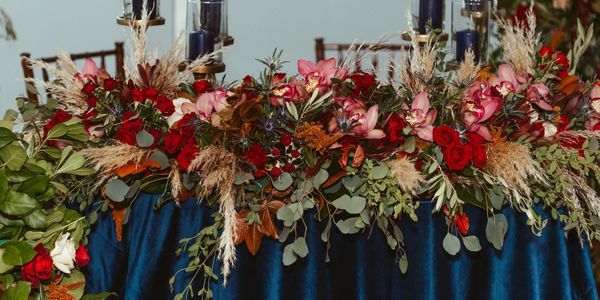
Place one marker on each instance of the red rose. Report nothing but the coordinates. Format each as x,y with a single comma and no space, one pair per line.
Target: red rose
275,172
202,86
285,140
92,101
257,156
362,81
186,155
475,139
173,142
110,84
445,136
165,105
137,95
458,156
156,134
59,116
187,125
546,52
82,257
394,129
151,93
39,268
127,133
462,223
89,88
479,155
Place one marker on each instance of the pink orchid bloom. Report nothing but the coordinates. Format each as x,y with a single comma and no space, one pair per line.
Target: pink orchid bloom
479,105
538,94
90,69
366,125
320,75
421,118
507,81
349,112
209,103
96,131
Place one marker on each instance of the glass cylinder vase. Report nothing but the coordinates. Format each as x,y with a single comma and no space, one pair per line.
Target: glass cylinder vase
132,9
471,29
427,13
205,27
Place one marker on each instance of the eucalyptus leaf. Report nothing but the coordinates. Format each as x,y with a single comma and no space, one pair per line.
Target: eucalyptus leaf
160,158
496,229
403,264
144,139
352,183
471,243
289,257
352,205
284,181
320,178
451,244
379,172
116,190
299,246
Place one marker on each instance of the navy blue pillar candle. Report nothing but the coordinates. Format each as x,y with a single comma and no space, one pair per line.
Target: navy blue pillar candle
430,10
200,43
137,9
210,16
464,40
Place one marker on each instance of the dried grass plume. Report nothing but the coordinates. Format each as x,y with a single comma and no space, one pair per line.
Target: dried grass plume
409,178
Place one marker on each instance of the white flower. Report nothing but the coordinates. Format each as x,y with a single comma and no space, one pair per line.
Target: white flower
182,106
549,129
63,254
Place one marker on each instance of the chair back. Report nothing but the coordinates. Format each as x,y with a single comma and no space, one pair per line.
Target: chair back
388,53
118,52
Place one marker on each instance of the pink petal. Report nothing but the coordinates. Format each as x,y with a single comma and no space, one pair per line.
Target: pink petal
421,102
596,91
371,117
543,105
484,132
506,73
490,106
332,126
326,65
430,117
204,104
306,67
425,133
375,134
90,68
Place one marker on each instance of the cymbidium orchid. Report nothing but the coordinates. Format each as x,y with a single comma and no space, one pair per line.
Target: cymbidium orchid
91,70
183,106
538,95
479,105
507,80
292,91
420,117
593,122
366,125
320,75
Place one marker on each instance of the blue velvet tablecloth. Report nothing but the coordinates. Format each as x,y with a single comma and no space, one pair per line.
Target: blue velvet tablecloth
528,267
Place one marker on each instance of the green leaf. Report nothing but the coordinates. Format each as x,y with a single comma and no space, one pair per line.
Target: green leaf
100,296
289,257
352,183
471,243
19,292
73,278
17,204
403,264
73,163
379,172
17,253
37,219
497,200
451,244
160,158
13,156
144,139
3,185
299,246
57,131
116,190
496,229
6,136
320,178
352,205
34,186
284,181
348,226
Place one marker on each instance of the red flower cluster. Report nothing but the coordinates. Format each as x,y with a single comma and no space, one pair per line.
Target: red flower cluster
257,156
187,154
201,87
456,154
547,53
39,268
131,126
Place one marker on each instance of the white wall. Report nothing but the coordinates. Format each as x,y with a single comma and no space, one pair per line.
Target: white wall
260,26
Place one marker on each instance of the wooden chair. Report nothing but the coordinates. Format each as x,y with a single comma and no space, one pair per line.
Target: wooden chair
118,52
389,50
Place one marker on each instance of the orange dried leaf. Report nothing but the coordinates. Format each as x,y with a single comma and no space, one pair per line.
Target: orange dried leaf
118,217
136,168
333,179
254,239
568,84
268,226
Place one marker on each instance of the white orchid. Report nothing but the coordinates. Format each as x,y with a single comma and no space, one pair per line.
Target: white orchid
183,106
63,254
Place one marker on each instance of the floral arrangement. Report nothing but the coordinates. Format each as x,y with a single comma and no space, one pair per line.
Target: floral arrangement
558,20
333,144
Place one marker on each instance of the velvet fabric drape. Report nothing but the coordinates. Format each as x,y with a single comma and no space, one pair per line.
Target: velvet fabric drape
361,266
